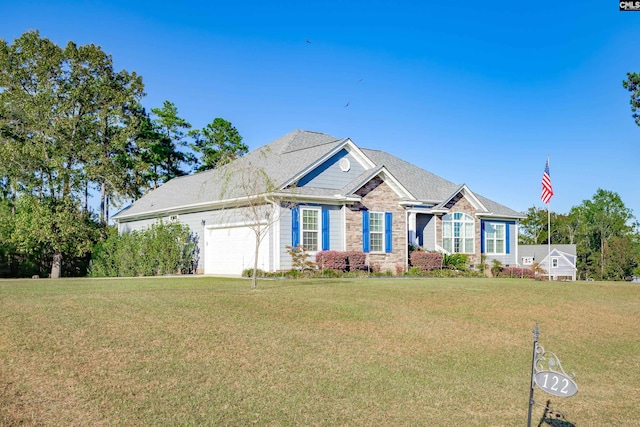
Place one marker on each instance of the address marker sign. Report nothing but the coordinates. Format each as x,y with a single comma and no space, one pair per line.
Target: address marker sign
556,383
547,373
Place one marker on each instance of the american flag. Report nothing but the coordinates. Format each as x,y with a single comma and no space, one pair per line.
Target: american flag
547,189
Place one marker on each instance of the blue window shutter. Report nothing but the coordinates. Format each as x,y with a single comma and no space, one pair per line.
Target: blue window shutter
325,229
365,231
506,236
295,227
388,232
482,237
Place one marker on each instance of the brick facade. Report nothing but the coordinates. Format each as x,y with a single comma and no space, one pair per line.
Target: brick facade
377,196
460,204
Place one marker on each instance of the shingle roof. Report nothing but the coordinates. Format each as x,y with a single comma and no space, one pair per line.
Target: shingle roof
422,184
539,252
283,160
280,160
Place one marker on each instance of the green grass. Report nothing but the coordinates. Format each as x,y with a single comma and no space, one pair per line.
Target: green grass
356,352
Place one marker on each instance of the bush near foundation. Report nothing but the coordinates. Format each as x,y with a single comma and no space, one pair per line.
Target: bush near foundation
426,261
516,272
357,260
332,260
342,261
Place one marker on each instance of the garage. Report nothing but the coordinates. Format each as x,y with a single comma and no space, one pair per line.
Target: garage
230,250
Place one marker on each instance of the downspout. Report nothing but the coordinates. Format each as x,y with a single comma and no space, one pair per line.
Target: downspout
344,227
517,233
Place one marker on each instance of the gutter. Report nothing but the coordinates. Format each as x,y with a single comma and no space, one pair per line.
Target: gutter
235,202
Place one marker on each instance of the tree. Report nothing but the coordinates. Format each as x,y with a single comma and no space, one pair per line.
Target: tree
534,229
602,218
52,229
218,143
31,83
603,230
566,229
620,258
146,158
632,84
65,127
115,96
167,149
261,205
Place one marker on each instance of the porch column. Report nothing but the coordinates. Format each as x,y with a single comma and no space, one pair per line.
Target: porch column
412,229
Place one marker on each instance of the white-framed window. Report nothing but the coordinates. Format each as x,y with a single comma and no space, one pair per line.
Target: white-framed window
376,231
458,233
527,260
554,262
310,228
495,238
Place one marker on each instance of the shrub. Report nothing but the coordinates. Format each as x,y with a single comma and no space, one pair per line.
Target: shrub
399,269
356,260
455,261
332,260
426,261
331,273
299,258
163,248
248,272
516,272
414,271
342,261
496,267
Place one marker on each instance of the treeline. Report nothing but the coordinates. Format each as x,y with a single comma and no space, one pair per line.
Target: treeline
604,231
73,127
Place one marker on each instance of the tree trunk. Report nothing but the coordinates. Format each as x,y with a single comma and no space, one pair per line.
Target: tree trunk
86,196
254,279
56,265
103,195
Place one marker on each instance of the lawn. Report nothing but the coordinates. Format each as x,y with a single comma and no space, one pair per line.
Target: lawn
348,352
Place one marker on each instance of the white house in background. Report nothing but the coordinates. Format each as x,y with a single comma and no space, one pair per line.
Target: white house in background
560,262
334,195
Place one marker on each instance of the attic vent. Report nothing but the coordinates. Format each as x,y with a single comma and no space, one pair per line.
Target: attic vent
345,164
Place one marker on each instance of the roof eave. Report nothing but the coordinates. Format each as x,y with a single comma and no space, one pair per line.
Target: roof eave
194,207
335,199
496,215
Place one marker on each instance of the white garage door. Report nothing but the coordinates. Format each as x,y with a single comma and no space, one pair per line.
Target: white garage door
231,250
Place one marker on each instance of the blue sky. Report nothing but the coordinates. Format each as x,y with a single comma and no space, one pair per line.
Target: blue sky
476,92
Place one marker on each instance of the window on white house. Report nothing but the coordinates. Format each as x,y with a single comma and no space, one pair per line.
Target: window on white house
458,233
376,231
310,229
494,238
554,262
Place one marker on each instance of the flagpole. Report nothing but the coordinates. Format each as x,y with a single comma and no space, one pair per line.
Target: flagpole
547,193
549,233
549,239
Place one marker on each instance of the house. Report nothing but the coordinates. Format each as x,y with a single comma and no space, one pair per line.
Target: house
559,262
326,193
